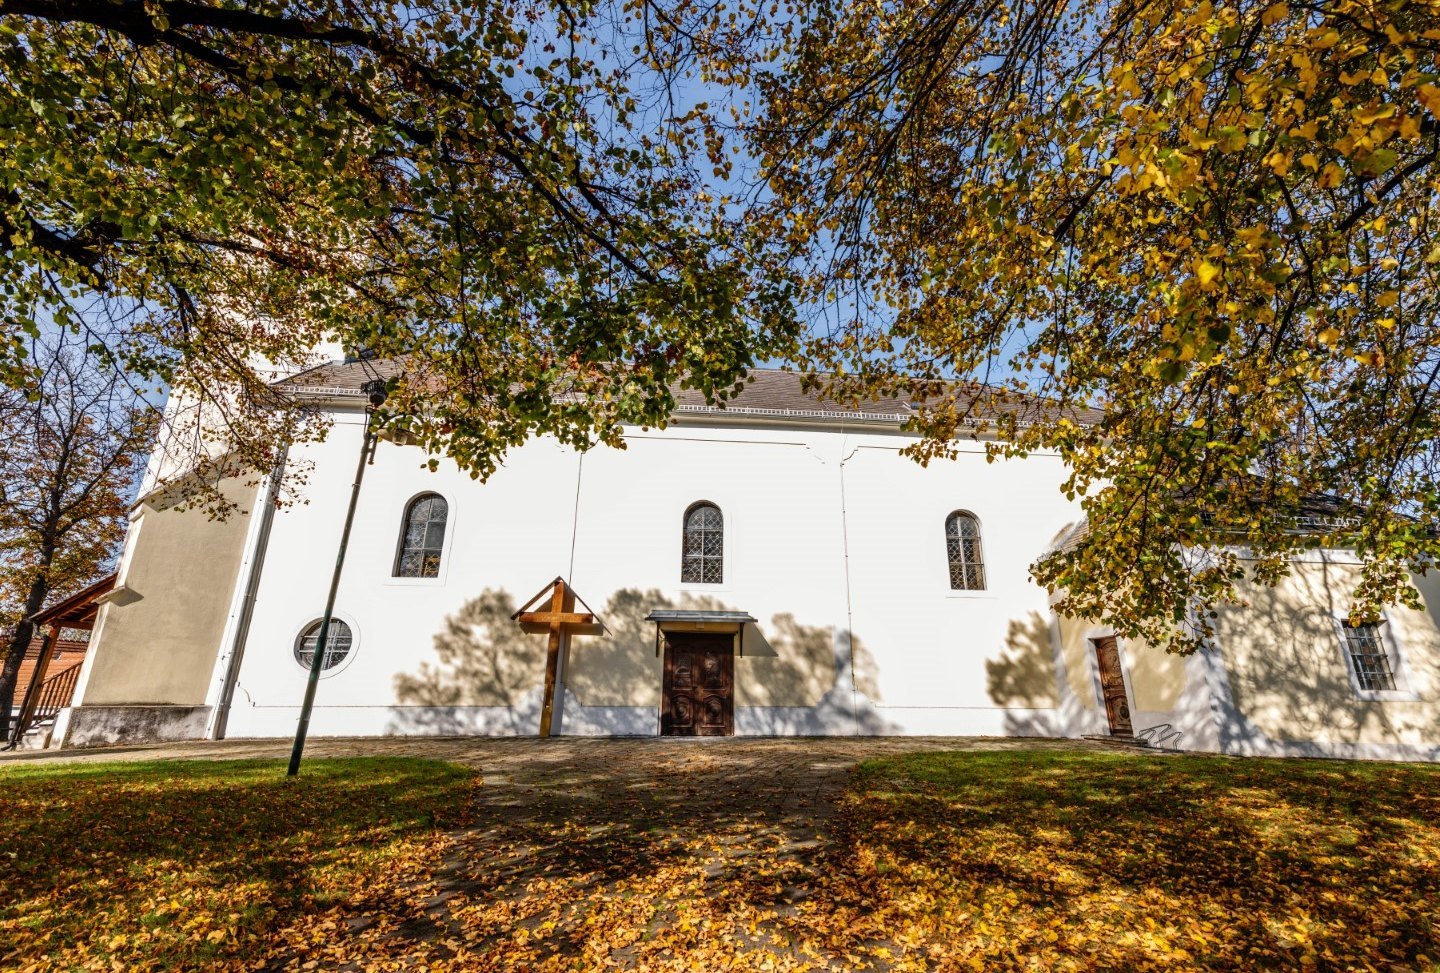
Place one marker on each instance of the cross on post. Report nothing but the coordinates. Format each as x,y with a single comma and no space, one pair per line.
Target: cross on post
559,621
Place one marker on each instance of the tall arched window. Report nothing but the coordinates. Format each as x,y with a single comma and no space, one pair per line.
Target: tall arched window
962,542
422,537
703,560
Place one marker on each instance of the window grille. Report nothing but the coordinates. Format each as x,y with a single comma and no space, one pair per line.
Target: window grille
423,538
703,560
1368,656
337,644
962,543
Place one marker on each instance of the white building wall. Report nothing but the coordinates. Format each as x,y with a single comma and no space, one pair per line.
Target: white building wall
945,661
834,543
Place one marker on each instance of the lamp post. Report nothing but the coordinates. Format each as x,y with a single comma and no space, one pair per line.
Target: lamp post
375,394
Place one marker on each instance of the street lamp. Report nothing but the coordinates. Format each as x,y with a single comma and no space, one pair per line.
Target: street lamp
375,395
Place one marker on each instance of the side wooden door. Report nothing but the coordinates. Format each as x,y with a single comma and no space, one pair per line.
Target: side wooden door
698,697
1112,686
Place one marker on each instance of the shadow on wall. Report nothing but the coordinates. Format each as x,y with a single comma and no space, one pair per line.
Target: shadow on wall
488,675
1025,677
483,660
1289,683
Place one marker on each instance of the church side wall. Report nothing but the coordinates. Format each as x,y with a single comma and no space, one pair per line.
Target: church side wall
833,542
157,637
1288,686
938,660
1169,695
1276,680
429,655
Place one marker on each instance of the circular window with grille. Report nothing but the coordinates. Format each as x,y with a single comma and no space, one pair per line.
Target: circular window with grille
338,643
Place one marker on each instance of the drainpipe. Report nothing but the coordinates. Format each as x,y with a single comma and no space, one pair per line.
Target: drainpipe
849,603
247,604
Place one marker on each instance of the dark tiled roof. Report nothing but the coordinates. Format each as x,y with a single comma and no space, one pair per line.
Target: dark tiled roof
346,376
767,392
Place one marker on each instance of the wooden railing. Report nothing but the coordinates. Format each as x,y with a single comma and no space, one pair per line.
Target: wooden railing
53,695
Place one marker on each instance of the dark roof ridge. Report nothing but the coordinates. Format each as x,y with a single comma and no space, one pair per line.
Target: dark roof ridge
776,392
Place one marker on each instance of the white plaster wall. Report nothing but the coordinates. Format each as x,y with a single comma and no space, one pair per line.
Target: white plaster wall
954,661
922,659
510,533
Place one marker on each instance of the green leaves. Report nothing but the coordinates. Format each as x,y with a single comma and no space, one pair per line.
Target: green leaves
243,189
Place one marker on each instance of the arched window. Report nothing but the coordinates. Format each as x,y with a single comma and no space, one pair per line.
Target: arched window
422,538
337,643
703,560
962,542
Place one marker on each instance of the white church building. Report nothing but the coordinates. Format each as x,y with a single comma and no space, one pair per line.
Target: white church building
775,567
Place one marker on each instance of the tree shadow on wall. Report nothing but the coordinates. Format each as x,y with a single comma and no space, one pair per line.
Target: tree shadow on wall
488,675
1024,677
483,660
1293,687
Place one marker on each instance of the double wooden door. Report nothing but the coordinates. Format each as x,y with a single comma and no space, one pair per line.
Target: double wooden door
1112,686
699,687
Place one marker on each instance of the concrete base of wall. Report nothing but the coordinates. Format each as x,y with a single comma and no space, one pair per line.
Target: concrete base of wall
838,714
105,726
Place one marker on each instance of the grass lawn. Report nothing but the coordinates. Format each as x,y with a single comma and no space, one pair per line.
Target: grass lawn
189,864
1085,860
989,860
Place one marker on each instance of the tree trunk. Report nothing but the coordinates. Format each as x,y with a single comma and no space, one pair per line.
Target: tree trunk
15,653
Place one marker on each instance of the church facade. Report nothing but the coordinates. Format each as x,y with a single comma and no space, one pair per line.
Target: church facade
772,568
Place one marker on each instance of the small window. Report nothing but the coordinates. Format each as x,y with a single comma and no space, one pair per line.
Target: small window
962,543
1371,663
703,560
337,644
423,537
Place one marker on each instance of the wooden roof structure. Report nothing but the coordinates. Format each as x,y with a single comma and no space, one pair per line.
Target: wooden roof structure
80,609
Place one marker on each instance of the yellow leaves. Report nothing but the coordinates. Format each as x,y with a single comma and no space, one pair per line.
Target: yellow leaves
1331,176
1352,79
1126,85
1329,336
1279,162
1172,886
1429,96
1369,114
1206,273
1274,14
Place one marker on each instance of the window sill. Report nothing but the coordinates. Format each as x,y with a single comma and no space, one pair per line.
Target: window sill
1387,696
416,582
981,594
703,588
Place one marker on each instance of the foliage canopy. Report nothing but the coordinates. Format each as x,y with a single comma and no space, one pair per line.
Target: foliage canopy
1214,221
504,196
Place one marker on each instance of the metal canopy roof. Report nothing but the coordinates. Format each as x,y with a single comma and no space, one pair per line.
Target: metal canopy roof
693,615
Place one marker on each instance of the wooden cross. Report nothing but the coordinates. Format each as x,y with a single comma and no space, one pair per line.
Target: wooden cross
559,622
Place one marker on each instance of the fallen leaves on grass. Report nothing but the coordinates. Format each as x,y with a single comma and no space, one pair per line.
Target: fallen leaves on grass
947,862
200,863
984,861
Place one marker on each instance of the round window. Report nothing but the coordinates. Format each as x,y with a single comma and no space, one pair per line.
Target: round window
337,647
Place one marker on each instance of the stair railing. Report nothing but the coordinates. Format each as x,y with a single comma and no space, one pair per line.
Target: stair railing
53,695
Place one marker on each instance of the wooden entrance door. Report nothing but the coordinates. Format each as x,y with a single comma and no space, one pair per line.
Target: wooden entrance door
699,687
1112,686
